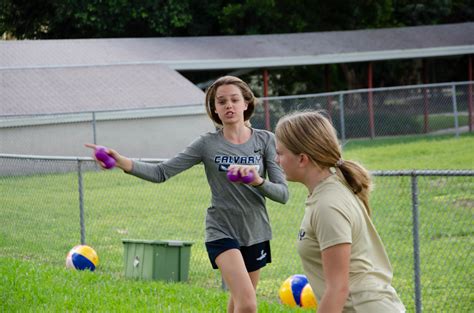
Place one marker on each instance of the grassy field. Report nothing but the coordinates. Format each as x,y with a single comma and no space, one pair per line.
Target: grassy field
40,215
429,152
443,121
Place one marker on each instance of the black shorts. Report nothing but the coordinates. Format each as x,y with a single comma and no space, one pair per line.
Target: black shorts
255,256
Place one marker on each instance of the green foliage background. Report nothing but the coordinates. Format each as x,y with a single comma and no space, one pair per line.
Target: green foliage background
52,19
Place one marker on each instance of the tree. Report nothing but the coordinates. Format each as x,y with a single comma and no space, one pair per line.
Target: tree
55,19
412,13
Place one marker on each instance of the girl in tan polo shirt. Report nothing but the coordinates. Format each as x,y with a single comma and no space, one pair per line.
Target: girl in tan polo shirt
341,252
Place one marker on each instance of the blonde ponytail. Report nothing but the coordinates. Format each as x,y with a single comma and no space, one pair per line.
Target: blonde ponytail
358,180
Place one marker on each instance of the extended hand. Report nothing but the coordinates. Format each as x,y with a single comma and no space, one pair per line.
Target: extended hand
121,161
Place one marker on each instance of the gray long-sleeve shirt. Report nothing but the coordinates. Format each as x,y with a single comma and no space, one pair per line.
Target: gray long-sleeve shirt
237,210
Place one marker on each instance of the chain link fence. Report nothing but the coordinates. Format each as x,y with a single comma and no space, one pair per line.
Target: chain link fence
50,204
366,113
370,113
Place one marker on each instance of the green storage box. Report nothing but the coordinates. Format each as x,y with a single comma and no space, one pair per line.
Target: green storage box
157,259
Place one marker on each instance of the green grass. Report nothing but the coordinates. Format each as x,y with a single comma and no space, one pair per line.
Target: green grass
413,152
27,286
437,122
41,223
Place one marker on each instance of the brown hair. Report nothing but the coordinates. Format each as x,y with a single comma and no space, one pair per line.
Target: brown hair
229,80
311,133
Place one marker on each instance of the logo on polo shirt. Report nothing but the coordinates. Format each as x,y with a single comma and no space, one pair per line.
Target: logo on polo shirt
301,234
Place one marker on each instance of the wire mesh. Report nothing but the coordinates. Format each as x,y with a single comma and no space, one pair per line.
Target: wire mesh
41,222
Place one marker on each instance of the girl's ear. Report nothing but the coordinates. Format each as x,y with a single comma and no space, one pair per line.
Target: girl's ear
303,160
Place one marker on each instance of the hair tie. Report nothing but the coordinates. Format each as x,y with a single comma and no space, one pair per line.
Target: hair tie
339,162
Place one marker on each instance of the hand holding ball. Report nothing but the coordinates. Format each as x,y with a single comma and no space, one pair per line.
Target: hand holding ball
239,178
247,178
233,177
102,155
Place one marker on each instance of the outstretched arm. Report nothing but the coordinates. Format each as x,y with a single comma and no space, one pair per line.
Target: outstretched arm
157,172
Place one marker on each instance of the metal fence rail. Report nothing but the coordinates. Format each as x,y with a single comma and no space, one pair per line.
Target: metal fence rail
364,113
50,204
379,112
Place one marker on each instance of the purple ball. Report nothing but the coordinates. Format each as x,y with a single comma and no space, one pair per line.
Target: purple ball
102,155
233,177
247,178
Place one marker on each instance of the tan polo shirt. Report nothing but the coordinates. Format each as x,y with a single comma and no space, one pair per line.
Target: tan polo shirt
334,215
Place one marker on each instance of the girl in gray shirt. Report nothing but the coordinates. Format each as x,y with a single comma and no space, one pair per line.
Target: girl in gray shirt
238,230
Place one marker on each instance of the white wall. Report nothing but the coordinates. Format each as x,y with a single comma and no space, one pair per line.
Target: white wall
152,137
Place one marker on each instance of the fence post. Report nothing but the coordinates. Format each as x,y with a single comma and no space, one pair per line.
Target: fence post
455,109
416,241
81,203
265,102
93,128
426,118
425,96
341,117
371,103
469,91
